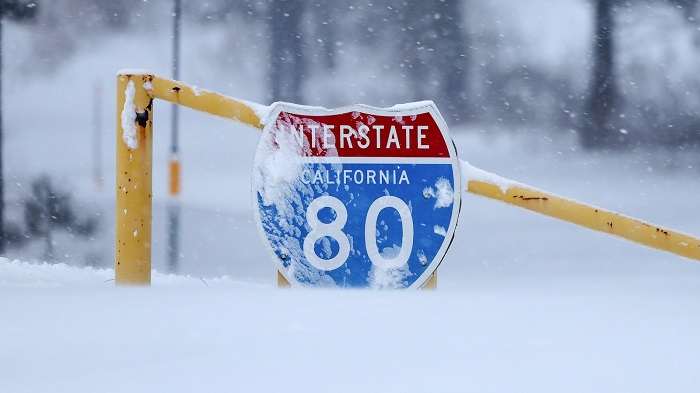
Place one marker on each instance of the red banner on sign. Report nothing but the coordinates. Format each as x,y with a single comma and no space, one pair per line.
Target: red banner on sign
358,134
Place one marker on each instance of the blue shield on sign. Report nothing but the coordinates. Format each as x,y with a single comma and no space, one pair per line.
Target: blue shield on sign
357,197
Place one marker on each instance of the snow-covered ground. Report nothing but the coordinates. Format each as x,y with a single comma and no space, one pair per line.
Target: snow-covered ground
183,335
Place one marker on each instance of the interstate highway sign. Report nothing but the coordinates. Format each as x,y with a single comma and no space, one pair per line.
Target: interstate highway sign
357,196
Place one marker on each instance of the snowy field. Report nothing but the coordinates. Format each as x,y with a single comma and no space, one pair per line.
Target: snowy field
525,303
67,330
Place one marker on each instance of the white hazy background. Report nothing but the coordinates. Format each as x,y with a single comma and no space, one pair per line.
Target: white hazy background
525,303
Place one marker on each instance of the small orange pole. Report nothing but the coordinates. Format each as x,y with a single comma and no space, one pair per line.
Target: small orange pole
174,176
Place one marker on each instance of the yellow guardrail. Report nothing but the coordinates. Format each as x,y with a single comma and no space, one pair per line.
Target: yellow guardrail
136,91
591,217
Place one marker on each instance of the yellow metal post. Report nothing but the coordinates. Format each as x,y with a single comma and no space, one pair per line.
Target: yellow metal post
133,186
281,281
431,283
205,101
590,217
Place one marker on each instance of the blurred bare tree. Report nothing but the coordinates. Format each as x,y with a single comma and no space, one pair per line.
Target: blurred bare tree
326,32
452,59
688,7
416,44
48,209
18,10
598,129
287,68
434,54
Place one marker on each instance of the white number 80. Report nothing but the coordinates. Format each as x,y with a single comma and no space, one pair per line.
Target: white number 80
334,230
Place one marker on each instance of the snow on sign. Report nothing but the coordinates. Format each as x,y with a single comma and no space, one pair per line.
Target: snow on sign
357,196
